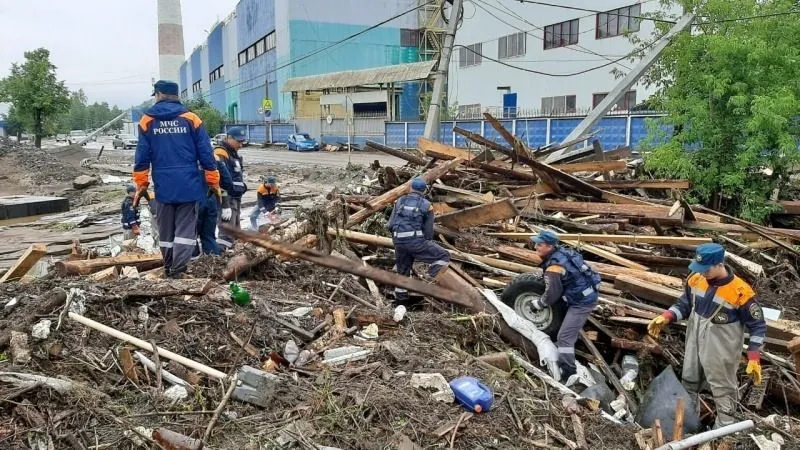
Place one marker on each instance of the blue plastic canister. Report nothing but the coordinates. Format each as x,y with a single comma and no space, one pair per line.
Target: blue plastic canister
472,394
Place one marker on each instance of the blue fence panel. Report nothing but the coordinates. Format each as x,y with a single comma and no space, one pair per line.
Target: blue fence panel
533,132
611,132
445,133
473,127
560,128
395,134
281,132
639,131
257,134
491,134
415,131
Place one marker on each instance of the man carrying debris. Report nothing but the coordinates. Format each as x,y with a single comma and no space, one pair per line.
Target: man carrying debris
411,225
719,307
566,276
130,215
172,141
268,196
228,153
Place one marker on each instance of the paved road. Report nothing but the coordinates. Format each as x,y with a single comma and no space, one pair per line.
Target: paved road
275,154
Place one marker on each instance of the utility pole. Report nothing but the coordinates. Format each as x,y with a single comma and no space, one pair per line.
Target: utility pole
440,78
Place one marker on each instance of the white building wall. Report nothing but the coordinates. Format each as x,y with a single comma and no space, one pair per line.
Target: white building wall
205,83
478,84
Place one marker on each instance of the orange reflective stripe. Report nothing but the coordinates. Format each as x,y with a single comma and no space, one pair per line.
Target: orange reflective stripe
221,152
556,269
212,178
192,117
141,177
698,281
144,122
263,190
737,292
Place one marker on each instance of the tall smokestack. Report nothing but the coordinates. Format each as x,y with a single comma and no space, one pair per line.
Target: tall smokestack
170,39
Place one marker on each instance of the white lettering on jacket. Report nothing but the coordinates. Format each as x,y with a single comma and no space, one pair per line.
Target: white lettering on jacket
170,127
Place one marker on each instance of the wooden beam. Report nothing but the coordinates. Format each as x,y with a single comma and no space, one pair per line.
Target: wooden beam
654,212
446,152
593,166
534,189
478,139
85,267
656,293
25,263
618,238
642,184
383,200
790,207
474,196
402,154
479,215
764,232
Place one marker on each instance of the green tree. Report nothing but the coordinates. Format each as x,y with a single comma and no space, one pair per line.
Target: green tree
731,88
14,125
38,97
212,119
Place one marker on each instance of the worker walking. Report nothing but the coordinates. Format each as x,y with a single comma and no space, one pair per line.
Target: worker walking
567,277
130,215
719,307
208,214
228,153
268,195
411,225
172,142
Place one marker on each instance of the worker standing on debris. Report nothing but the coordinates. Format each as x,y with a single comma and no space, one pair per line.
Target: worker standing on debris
130,215
566,276
228,153
719,307
208,214
173,141
268,196
411,225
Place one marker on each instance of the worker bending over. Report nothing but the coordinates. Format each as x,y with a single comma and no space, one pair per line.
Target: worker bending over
228,153
566,276
268,196
719,307
411,225
172,142
130,215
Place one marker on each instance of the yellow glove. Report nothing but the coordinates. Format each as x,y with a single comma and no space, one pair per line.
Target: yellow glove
754,369
656,325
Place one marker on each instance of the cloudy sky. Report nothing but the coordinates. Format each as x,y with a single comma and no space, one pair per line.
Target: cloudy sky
108,48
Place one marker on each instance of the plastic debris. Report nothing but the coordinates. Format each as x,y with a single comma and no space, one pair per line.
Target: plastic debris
435,382
369,332
630,370
298,312
341,355
399,313
291,351
176,393
42,329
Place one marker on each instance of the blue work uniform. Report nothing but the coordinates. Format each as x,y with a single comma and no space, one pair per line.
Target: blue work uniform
268,196
208,215
231,198
130,214
411,225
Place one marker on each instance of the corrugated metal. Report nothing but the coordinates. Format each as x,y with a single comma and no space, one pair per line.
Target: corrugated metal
349,78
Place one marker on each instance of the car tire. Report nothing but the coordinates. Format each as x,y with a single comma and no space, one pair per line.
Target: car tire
525,288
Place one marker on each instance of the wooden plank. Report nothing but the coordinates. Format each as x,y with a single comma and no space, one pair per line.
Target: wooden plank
534,189
617,238
85,267
25,263
607,255
599,156
654,212
479,215
642,184
402,154
656,293
442,208
446,152
479,198
478,139
593,166
791,207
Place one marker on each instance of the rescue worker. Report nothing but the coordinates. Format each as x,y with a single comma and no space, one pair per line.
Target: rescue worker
268,195
411,224
228,153
567,277
208,214
719,307
130,215
172,141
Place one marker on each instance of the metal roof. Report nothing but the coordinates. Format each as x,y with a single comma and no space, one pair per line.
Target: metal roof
350,78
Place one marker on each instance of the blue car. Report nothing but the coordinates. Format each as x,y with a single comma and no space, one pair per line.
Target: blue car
302,143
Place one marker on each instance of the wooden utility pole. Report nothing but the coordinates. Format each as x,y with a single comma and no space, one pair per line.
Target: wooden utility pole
440,78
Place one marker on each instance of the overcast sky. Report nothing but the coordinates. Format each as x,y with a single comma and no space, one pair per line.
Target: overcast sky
108,48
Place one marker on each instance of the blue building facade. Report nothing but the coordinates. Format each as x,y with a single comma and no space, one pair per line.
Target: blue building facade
216,75
195,90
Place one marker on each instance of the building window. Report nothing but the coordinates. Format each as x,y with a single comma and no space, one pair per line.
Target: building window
242,59
470,55
251,53
270,41
618,21
627,102
558,105
260,47
184,93
409,37
561,34
196,87
215,74
511,45
469,111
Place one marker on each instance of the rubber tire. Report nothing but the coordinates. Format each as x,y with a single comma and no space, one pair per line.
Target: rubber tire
529,283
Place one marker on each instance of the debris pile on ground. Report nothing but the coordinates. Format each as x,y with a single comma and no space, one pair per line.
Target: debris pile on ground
283,345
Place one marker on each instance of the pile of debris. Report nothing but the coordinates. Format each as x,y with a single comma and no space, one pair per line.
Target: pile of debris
293,354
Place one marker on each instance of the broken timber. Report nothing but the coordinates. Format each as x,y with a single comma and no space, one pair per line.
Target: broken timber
642,184
25,262
617,238
593,166
442,151
479,215
648,211
404,155
88,266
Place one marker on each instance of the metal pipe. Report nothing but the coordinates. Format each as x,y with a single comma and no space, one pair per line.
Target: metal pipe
700,438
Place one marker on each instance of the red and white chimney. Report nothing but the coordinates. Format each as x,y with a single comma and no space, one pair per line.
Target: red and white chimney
170,39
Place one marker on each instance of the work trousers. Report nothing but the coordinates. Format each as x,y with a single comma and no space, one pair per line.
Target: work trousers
153,204
418,249
207,217
177,228
712,355
568,334
224,240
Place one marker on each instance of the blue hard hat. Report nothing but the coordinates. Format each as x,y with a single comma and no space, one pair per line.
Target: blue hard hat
271,180
418,184
706,256
237,133
130,188
545,237
165,87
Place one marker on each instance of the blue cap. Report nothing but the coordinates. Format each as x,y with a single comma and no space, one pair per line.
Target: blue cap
418,184
130,188
271,180
165,87
706,256
545,237
237,133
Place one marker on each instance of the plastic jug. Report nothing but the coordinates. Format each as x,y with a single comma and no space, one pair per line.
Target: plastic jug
472,394
239,295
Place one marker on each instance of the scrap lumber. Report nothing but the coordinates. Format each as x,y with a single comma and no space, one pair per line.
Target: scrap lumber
516,144
88,266
642,184
764,232
446,152
791,207
171,288
25,263
383,200
480,140
479,215
627,344
592,166
610,375
42,306
469,195
649,211
404,155
656,293
794,348
618,238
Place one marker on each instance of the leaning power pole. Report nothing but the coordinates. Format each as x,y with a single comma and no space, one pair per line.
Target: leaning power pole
440,77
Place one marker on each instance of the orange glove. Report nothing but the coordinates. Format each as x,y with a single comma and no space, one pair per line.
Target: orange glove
141,192
754,367
212,178
659,323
